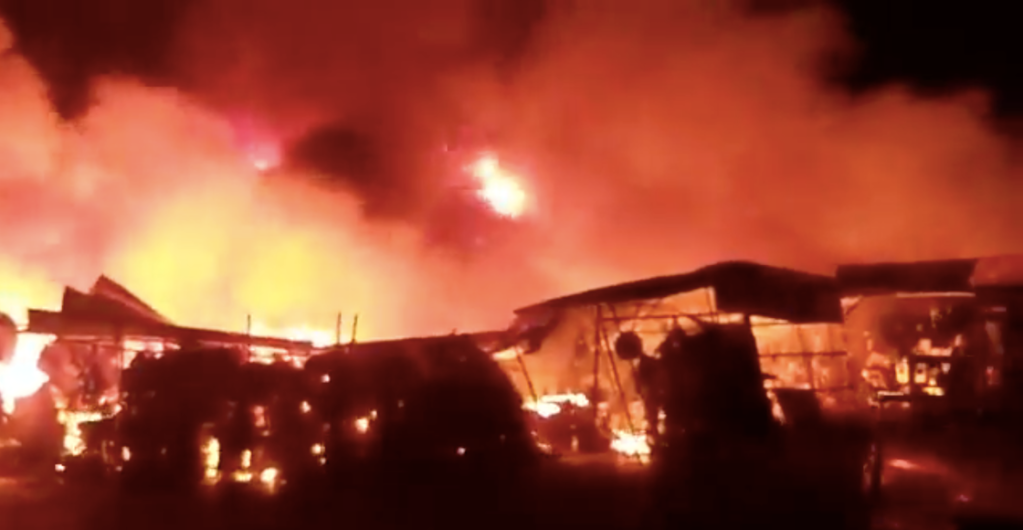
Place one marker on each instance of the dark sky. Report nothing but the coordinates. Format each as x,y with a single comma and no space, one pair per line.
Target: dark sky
935,45
940,45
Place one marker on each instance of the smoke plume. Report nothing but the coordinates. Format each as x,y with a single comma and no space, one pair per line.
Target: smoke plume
653,136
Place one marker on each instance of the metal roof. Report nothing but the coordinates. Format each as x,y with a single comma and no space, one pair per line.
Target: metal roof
739,286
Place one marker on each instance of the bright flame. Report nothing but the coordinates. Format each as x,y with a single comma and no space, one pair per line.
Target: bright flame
211,459
268,476
499,188
547,406
318,337
21,377
630,444
74,445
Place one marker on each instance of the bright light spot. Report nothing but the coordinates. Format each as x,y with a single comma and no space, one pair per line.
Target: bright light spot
268,476
630,444
461,451
318,337
71,420
263,155
211,459
548,406
306,407
498,187
317,449
509,354
21,377
904,464
125,454
362,425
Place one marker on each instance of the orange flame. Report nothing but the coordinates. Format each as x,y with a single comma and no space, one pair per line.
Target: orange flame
499,188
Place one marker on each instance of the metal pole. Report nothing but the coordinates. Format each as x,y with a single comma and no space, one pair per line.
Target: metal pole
525,372
337,330
606,341
596,361
248,333
355,327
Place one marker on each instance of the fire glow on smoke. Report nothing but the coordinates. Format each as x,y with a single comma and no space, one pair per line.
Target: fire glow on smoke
499,188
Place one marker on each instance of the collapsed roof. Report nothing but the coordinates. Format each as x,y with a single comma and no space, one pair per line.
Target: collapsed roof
109,310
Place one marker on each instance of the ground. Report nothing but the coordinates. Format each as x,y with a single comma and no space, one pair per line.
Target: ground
922,490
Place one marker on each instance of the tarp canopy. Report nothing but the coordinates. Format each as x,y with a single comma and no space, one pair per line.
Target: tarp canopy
944,276
739,287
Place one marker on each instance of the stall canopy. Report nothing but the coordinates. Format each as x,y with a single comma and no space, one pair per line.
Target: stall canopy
739,287
945,276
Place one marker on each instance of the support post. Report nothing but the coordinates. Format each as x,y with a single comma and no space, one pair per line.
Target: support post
355,327
337,330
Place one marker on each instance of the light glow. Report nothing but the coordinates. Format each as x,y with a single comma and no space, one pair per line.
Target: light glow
499,188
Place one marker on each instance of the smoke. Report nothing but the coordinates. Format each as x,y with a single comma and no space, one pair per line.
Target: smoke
151,187
655,137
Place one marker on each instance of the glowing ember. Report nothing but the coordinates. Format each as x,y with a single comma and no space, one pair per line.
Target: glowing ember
499,188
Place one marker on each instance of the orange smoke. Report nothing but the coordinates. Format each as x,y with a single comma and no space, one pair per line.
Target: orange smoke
660,136
150,188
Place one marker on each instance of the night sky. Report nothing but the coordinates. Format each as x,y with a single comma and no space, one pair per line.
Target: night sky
935,46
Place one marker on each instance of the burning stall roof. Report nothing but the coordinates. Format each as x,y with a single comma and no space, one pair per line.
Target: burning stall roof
740,287
944,276
795,316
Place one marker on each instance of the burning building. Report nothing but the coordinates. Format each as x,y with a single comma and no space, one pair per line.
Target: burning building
936,334
569,350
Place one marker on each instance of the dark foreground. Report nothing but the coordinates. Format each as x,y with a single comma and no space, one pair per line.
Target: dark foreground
920,492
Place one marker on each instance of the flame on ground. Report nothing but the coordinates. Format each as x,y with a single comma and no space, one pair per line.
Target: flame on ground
630,444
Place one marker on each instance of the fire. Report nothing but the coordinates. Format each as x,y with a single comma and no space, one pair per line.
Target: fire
550,405
21,376
499,188
630,444
74,445
211,459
